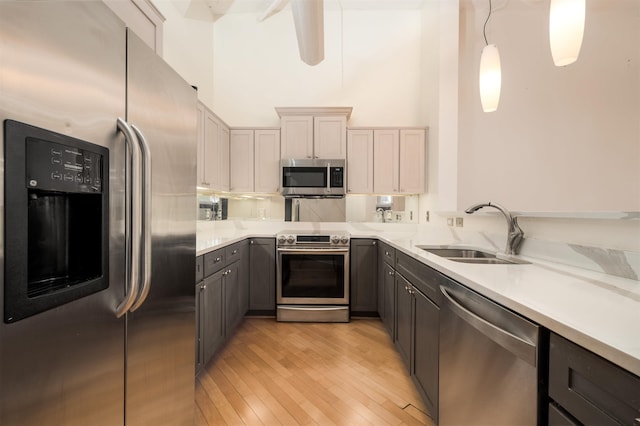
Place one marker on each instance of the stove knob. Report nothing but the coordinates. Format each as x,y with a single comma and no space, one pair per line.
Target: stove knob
344,239
291,239
335,239
281,239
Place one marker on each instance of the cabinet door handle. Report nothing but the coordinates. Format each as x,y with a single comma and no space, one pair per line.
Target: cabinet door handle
386,253
204,287
391,273
217,259
251,241
234,252
374,243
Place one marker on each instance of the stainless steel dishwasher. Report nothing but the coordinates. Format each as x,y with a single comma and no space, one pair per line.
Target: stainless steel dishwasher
488,362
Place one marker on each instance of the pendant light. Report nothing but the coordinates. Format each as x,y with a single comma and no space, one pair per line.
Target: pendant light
566,29
490,73
308,18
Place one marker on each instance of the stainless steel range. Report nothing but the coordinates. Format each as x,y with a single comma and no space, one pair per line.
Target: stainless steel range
313,276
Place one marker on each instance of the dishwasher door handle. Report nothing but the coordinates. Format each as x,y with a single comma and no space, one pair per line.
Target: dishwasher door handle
519,347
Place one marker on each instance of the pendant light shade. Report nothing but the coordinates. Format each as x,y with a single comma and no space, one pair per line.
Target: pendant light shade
490,78
308,18
566,29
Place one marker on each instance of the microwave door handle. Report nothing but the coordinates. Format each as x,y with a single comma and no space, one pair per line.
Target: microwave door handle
296,210
328,178
133,221
145,211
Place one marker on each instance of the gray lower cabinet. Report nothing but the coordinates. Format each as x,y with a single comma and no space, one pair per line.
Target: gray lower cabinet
262,276
363,276
389,299
212,315
236,285
426,334
587,389
412,317
404,313
221,298
232,298
387,287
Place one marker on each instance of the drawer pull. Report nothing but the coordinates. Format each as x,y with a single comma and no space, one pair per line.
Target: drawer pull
217,259
234,252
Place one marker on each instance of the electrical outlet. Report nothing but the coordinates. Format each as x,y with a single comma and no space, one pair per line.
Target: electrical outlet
450,221
426,216
459,222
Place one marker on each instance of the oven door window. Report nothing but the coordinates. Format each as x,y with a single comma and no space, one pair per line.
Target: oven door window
313,276
304,177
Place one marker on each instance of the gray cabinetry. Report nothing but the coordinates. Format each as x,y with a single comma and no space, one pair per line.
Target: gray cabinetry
262,276
410,312
363,276
236,283
404,313
221,298
211,315
387,286
426,333
587,389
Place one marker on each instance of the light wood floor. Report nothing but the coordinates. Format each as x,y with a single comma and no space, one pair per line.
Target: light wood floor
308,373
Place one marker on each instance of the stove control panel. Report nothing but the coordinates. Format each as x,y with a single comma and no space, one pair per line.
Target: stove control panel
316,240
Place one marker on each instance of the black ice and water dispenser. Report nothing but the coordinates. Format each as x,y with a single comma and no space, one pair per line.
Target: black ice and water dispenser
56,219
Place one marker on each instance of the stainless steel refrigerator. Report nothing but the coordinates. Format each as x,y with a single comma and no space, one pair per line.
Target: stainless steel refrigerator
98,226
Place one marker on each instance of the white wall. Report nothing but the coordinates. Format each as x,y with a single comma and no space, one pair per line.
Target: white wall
412,79
372,63
188,43
563,139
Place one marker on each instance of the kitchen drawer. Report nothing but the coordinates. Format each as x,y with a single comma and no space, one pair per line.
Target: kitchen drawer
235,251
420,276
199,268
558,417
592,389
214,261
387,254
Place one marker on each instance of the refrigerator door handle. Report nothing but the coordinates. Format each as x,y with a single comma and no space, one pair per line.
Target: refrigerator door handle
145,190
132,218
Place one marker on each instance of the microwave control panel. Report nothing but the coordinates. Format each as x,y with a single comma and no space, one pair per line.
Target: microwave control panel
337,177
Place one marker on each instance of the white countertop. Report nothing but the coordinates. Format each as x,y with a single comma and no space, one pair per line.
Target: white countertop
598,311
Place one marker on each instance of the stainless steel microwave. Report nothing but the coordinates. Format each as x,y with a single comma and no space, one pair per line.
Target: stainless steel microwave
315,177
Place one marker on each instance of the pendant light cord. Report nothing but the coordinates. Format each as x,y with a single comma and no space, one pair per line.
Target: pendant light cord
484,28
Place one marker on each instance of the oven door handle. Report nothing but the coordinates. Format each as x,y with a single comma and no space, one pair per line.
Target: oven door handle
314,250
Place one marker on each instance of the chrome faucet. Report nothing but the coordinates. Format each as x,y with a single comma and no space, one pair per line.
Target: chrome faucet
515,234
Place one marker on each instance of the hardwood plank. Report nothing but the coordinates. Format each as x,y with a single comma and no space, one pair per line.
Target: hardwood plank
308,374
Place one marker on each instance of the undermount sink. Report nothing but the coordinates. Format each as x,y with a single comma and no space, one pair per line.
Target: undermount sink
471,255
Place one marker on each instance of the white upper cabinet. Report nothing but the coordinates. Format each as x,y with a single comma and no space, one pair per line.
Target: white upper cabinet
267,160
255,160
201,161
360,161
385,161
213,151
314,132
241,157
223,162
412,163
143,18
330,137
297,136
